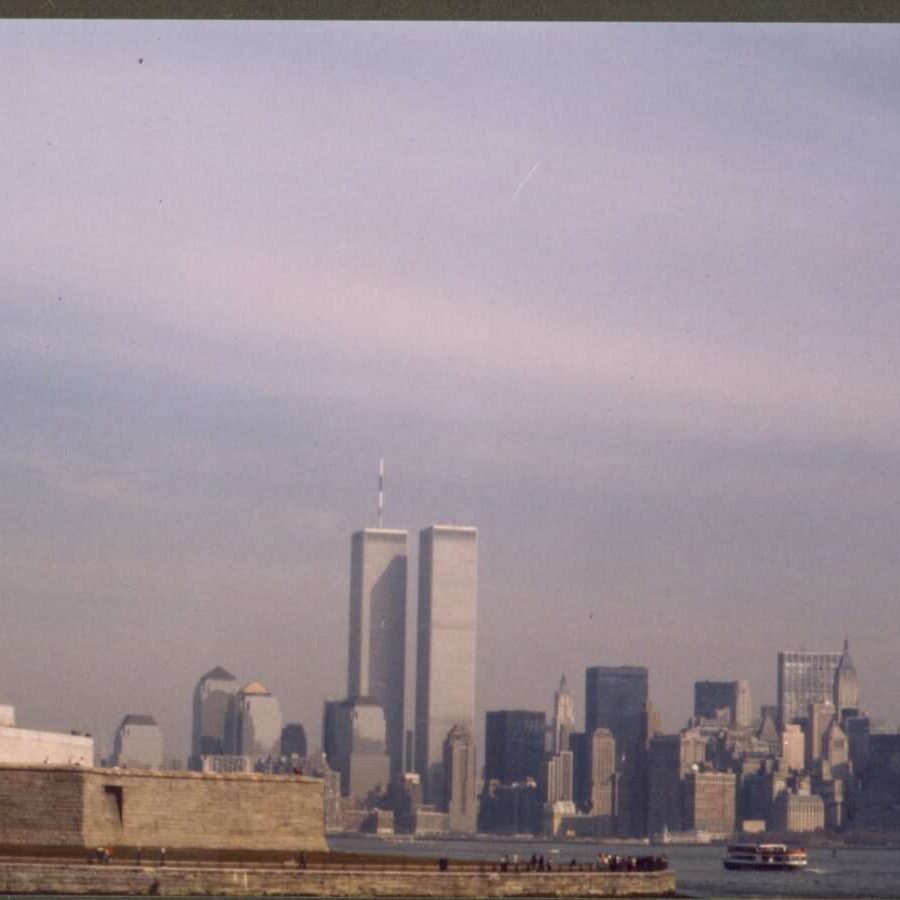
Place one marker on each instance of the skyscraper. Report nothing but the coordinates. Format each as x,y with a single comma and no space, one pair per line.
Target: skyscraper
671,757
138,743
616,699
603,773
377,652
836,749
257,722
214,697
804,678
513,745
354,741
708,802
563,716
293,740
846,685
460,770
793,748
445,646
558,778
712,697
819,716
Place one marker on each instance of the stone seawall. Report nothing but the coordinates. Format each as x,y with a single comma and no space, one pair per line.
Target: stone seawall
182,881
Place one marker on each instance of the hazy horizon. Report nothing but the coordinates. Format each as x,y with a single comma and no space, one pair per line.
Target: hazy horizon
622,296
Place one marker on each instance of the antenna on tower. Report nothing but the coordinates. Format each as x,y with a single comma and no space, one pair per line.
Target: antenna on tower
380,491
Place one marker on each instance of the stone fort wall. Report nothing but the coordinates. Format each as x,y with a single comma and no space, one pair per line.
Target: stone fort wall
41,806
75,807
182,881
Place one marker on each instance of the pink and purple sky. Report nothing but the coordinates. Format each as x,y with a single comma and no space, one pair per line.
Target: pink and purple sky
621,295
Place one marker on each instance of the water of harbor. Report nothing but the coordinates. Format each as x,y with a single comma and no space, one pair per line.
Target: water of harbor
850,873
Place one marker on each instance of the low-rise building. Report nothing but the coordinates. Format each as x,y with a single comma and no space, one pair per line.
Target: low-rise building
24,746
225,764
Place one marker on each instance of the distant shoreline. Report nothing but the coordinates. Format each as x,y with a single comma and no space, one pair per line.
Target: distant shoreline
810,841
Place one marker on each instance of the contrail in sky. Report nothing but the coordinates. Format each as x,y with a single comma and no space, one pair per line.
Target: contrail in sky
524,181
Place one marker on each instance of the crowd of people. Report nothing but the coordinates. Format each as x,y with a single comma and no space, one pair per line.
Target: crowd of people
606,862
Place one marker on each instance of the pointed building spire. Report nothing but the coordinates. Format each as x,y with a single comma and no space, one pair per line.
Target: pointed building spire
846,682
563,716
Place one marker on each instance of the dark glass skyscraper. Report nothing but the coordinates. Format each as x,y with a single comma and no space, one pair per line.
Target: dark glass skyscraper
293,739
616,698
214,699
710,697
514,745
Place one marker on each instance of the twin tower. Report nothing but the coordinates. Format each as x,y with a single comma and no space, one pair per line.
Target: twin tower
445,640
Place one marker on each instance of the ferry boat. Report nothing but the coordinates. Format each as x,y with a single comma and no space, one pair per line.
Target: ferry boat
774,857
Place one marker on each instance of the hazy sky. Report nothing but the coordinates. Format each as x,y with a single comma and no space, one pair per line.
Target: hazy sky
622,296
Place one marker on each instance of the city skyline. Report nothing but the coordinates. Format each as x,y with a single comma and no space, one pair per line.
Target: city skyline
621,295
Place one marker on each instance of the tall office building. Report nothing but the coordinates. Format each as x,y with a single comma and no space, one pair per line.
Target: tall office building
616,699
214,697
876,805
256,727
804,678
836,750
581,766
513,745
671,757
816,722
603,773
460,773
558,779
793,748
846,685
138,743
708,803
293,740
354,741
731,699
563,716
445,646
377,653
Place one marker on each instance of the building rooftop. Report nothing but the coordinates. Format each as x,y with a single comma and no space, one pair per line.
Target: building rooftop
393,532
255,689
138,719
219,674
